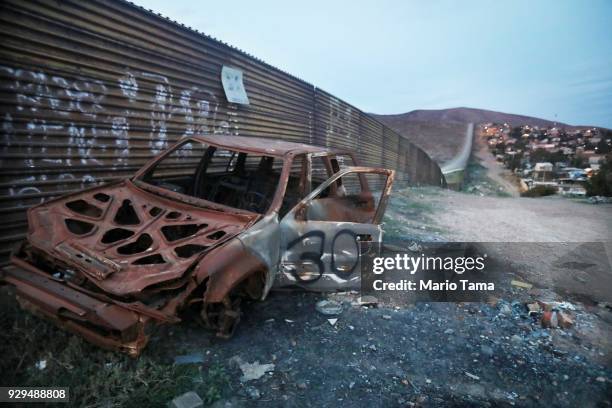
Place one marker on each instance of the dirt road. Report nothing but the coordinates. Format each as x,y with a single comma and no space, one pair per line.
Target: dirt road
497,173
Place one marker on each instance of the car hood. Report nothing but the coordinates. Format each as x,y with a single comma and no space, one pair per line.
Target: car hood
124,239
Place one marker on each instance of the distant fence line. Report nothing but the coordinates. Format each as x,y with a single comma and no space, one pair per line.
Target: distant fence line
91,90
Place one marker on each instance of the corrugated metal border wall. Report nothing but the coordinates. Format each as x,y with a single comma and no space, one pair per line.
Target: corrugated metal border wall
91,90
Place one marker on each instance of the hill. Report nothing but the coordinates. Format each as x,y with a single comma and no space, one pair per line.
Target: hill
465,115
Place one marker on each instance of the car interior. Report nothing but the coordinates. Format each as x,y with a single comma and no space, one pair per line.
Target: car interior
247,181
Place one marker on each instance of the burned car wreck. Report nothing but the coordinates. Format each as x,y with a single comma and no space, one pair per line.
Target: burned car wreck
208,222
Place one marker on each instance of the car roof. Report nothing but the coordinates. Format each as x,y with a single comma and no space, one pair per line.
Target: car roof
270,146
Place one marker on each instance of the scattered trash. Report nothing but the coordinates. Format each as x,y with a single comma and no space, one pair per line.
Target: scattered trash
415,247
271,320
328,307
427,381
600,379
472,376
521,284
565,320
549,319
534,308
332,321
302,385
386,317
195,358
289,321
367,300
252,371
599,200
563,305
187,400
449,331
41,364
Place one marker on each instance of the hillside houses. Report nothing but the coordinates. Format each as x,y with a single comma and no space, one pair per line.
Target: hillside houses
556,157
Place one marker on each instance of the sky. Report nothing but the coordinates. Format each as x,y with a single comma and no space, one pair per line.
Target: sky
548,58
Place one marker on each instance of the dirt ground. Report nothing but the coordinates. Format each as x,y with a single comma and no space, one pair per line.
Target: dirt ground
423,354
497,173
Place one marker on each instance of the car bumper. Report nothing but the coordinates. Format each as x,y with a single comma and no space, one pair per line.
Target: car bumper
103,323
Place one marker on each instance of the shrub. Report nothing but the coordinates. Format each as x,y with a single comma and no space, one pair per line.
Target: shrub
539,191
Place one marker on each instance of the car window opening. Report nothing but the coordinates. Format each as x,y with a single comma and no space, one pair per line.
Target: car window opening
245,181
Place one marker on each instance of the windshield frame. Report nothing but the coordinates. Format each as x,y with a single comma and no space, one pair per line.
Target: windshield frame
275,200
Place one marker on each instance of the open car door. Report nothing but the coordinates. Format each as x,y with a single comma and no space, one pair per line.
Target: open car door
321,236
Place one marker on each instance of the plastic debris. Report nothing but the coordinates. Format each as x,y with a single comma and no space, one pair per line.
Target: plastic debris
549,319
254,371
195,358
534,308
187,400
521,284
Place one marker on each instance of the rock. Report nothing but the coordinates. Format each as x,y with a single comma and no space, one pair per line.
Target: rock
41,364
505,309
486,350
372,347
187,400
194,358
253,393
328,307
253,371
516,339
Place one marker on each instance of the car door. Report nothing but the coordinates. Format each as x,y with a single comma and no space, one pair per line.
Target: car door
321,236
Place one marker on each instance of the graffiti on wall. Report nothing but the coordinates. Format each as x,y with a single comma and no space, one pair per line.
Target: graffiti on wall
80,124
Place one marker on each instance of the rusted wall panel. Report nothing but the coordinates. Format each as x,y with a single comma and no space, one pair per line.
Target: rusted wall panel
89,91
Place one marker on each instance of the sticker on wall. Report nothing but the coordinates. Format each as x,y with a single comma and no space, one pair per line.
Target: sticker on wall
233,86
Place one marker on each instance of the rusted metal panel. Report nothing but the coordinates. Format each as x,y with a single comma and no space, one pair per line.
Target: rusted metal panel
89,91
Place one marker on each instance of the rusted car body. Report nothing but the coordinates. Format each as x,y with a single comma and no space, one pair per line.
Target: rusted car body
209,221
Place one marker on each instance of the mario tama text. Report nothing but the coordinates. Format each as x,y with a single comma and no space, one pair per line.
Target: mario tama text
427,272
